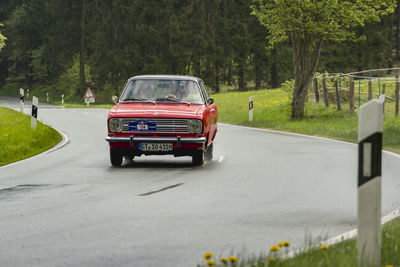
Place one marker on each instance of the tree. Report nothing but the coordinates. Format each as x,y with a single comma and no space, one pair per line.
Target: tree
308,23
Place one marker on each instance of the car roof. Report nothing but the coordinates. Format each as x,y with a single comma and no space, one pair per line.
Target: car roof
166,77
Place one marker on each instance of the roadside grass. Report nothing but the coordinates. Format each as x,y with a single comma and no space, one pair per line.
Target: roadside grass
272,111
338,255
19,141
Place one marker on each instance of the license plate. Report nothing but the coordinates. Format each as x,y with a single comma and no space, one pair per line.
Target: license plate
155,146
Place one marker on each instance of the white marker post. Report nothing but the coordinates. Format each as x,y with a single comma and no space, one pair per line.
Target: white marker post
251,108
62,99
47,96
370,126
35,105
21,100
27,93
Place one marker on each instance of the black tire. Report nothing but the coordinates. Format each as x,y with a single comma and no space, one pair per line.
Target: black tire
129,157
198,158
115,157
209,152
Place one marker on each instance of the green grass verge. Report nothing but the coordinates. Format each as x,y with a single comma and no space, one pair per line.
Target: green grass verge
19,141
272,111
338,255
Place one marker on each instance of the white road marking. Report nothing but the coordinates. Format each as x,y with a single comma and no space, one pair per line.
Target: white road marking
221,158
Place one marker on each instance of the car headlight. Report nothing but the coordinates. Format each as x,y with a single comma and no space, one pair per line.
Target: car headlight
195,126
115,125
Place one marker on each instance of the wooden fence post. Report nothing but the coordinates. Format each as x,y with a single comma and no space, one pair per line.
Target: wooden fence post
337,96
351,100
369,90
383,88
397,93
315,84
325,89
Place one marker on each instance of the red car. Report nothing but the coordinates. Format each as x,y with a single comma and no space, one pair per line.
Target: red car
162,114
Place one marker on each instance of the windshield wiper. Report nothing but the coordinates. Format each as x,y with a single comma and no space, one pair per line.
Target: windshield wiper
172,100
137,99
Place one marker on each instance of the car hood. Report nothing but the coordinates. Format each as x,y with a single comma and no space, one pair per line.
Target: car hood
157,110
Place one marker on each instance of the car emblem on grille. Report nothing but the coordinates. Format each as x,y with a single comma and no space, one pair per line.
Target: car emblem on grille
155,114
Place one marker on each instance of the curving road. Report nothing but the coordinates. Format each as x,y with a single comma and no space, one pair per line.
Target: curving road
69,207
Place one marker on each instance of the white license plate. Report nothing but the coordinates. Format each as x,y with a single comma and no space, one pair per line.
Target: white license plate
155,146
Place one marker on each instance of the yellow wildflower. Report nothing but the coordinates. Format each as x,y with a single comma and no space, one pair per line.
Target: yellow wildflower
274,249
280,244
5,135
233,259
286,244
389,265
210,262
224,260
271,259
208,255
324,247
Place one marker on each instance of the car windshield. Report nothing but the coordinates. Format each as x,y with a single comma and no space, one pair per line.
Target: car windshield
156,90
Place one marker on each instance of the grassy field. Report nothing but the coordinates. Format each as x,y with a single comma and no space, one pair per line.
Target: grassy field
272,111
19,141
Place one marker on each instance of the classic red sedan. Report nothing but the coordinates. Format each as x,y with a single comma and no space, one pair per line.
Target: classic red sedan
162,114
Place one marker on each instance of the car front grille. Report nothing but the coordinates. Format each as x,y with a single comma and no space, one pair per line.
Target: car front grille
163,125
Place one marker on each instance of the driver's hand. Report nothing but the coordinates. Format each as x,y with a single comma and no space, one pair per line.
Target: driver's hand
172,96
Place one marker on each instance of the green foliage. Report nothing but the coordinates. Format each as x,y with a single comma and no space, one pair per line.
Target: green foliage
69,81
328,19
19,141
2,39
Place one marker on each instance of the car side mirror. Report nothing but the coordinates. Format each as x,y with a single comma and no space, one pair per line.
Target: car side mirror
210,101
114,99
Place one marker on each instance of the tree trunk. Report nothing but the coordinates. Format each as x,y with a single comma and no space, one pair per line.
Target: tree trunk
82,78
398,30
315,84
216,64
339,106
306,54
351,97
274,68
242,83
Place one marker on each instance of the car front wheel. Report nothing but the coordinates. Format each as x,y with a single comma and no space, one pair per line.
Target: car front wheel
209,152
198,158
115,157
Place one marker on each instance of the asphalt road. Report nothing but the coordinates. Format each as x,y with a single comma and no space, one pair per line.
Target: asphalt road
69,207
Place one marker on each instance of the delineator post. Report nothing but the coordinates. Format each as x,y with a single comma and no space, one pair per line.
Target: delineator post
370,127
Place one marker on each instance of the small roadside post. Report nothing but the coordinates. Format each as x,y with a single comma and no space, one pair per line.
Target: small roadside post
62,99
47,97
27,93
35,105
251,108
21,100
369,197
89,97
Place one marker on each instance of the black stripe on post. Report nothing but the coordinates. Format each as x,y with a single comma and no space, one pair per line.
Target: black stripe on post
21,98
34,111
376,158
250,105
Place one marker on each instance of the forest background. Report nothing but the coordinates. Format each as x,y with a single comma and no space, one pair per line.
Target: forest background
66,46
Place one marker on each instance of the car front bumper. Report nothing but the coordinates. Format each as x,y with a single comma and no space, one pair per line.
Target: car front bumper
182,146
